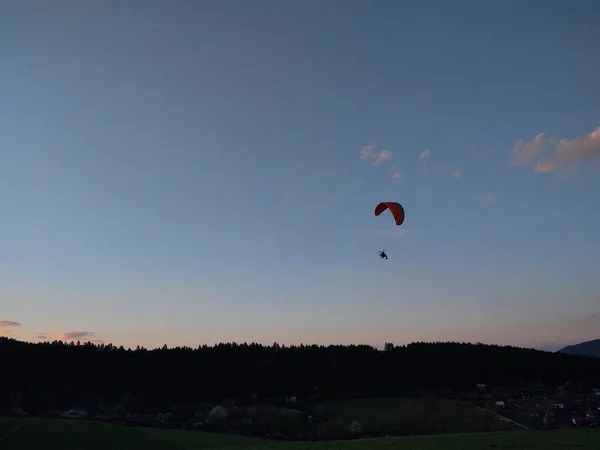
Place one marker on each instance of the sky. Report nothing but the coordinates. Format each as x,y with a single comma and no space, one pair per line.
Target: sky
189,173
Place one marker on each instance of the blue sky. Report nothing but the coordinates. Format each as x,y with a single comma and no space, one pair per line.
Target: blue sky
196,172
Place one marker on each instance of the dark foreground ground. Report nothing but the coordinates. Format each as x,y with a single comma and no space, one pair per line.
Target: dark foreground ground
54,434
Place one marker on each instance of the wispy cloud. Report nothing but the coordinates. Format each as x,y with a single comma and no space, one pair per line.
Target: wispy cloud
594,316
369,152
77,336
570,151
383,155
565,152
424,157
41,336
490,198
524,152
391,232
450,171
396,173
7,327
359,183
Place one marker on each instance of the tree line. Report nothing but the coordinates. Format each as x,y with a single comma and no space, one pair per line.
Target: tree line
58,375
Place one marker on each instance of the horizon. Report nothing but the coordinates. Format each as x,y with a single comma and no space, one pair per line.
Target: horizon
207,172
249,343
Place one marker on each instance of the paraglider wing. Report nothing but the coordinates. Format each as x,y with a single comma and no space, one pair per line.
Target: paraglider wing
395,208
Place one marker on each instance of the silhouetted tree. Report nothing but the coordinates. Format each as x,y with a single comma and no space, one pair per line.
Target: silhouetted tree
56,375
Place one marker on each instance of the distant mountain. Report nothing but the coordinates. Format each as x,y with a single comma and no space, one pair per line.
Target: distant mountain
589,348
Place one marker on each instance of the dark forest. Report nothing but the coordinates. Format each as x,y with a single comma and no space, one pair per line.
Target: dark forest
55,375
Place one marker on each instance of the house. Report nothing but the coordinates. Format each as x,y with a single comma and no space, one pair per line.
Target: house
500,404
577,419
487,395
73,414
559,406
17,412
480,386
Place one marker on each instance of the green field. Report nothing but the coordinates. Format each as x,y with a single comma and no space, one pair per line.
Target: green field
46,434
408,416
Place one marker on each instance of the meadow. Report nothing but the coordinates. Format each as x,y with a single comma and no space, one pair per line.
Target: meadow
56,434
424,414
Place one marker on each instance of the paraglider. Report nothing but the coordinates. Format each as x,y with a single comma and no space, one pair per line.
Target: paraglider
395,208
397,211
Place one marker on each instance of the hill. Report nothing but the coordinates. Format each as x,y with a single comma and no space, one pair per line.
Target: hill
29,434
588,348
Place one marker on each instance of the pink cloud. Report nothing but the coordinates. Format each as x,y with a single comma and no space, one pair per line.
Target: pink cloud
383,155
369,152
77,336
7,326
456,174
570,151
525,151
565,152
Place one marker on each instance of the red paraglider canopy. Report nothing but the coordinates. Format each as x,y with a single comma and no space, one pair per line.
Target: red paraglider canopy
395,208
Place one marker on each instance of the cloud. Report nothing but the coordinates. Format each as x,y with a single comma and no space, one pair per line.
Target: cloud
7,326
41,336
449,171
383,155
391,233
77,336
424,156
490,198
359,183
565,152
369,152
396,173
524,152
594,316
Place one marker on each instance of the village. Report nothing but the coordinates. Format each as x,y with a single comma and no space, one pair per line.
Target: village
542,406
539,407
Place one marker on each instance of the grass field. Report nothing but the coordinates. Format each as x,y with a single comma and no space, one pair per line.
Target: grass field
419,415
46,434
